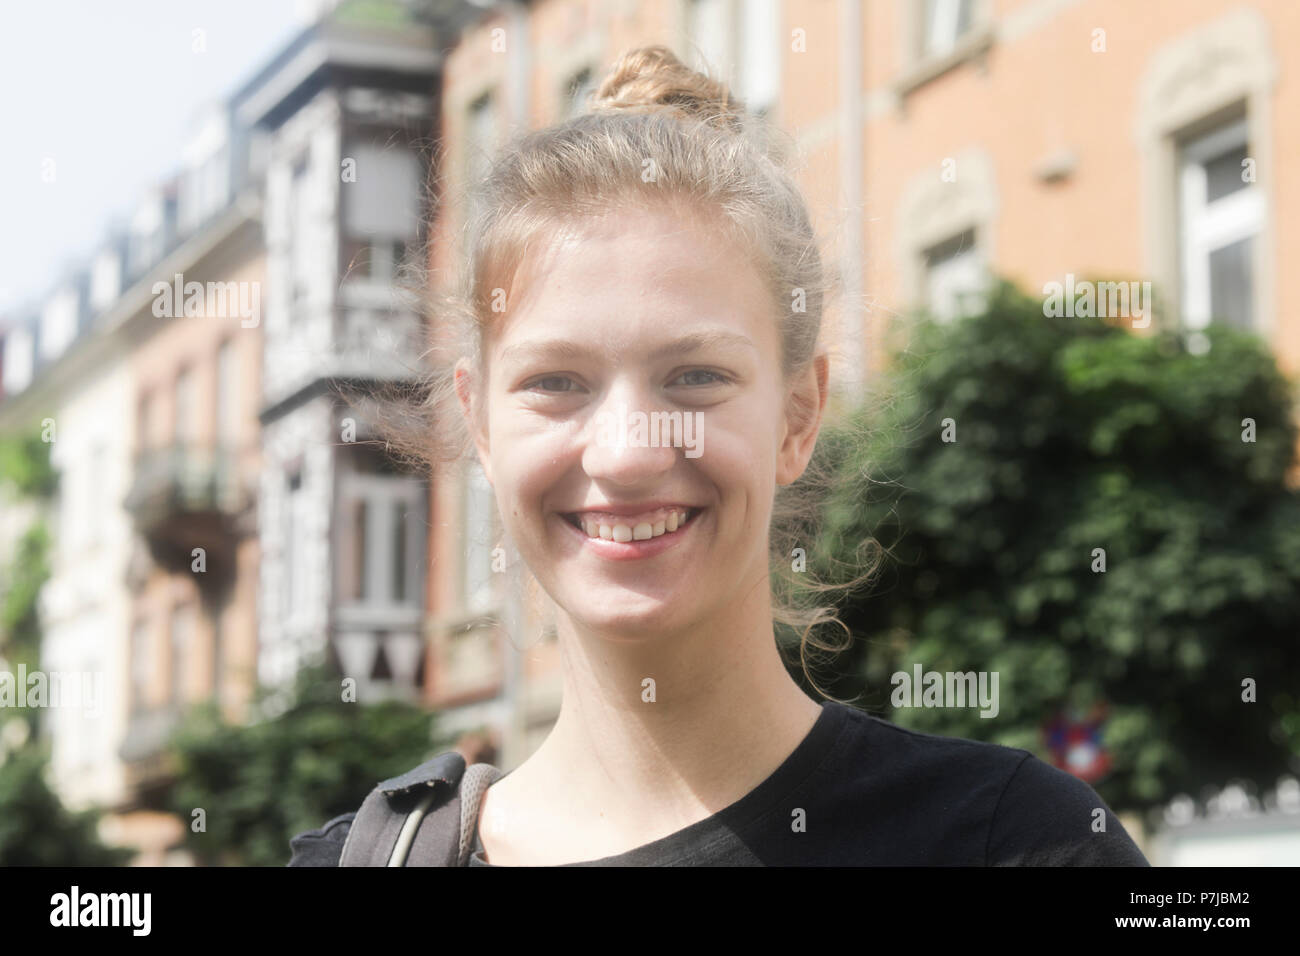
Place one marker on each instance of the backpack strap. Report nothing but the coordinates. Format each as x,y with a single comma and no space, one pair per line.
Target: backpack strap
473,784
380,835
425,817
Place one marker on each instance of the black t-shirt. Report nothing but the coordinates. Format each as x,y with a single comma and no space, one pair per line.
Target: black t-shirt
860,791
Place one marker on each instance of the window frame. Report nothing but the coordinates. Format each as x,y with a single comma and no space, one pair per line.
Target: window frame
923,51
180,649
366,592
729,56
1206,226
968,246
918,66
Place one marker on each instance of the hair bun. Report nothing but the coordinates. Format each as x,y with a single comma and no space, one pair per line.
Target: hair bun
650,77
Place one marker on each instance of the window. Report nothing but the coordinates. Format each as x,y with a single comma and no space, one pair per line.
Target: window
380,207
141,666
400,569
355,586
954,277
19,356
106,279
479,147
480,532
356,259
97,502
1221,212
89,731
219,617
760,59
380,545
300,226
710,35
185,424
182,639
943,23
376,260
227,394
59,323
741,43
293,543
146,437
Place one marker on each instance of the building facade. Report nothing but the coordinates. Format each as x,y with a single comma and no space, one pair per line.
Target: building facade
341,117
939,143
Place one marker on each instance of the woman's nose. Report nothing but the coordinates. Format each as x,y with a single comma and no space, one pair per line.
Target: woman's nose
625,444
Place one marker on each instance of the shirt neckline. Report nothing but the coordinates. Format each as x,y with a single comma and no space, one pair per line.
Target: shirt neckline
806,757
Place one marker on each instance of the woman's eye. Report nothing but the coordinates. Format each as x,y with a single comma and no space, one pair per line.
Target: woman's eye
717,378
551,383
562,383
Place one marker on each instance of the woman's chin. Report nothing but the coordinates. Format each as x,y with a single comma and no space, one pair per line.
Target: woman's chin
616,610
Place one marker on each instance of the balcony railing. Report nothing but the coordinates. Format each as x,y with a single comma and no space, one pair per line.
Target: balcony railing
184,497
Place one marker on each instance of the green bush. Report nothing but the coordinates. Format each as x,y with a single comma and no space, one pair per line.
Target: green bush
1073,435
261,783
35,828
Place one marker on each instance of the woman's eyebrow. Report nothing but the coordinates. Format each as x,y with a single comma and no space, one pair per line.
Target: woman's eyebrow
568,349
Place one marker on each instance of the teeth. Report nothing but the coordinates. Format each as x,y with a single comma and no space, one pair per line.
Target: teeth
642,531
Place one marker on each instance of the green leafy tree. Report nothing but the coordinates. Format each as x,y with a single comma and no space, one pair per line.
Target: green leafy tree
1073,435
20,633
35,827
291,770
25,464
25,473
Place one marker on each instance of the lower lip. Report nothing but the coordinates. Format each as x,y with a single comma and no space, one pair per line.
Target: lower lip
632,550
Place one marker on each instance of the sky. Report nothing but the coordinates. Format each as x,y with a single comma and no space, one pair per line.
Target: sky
110,90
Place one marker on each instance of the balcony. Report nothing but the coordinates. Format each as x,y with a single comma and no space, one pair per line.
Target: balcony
186,497
148,764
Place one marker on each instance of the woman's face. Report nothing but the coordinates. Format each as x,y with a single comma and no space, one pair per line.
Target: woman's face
640,314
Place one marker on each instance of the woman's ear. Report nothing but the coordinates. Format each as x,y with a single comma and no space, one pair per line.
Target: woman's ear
804,407
467,387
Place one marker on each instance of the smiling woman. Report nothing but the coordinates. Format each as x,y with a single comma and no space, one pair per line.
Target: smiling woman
649,258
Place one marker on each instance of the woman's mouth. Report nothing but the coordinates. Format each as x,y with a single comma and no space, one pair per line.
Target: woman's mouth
640,528
632,536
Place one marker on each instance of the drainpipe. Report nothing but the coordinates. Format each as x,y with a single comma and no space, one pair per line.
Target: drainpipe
851,166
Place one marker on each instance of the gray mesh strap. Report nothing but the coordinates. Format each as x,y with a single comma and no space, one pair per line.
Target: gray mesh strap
478,777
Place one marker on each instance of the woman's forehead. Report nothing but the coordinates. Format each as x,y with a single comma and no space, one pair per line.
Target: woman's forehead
637,254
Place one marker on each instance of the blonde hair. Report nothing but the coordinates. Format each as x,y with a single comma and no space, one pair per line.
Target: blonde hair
656,132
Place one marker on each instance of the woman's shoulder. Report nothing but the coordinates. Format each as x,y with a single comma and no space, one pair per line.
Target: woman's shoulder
323,846
1048,817
1034,813
922,753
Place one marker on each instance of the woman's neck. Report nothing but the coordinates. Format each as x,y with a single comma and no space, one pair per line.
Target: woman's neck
657,734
